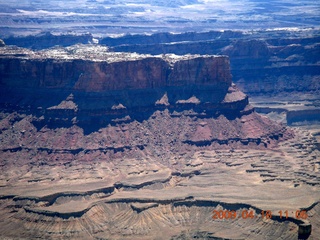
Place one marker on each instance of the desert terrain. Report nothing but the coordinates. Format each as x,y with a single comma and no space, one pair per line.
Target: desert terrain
90,158
159,120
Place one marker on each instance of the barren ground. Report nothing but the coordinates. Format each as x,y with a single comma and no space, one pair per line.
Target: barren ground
145,199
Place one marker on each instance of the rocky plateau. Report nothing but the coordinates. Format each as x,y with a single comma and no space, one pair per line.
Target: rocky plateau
275,66
101,144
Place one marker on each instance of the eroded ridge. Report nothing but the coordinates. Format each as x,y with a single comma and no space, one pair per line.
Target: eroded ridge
141,197
89,151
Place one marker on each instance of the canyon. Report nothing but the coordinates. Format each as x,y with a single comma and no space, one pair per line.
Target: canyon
188,119
280,64
102,144
261,61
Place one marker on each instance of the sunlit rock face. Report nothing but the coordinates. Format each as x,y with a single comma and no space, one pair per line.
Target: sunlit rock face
95,69
262,62
99,144
90,86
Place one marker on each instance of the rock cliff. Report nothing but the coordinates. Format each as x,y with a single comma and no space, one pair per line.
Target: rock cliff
261,61
90,87
101,70
100,144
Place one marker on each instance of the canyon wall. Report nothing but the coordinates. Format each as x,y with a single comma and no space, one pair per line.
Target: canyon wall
99,76
261,61
91,87
139,81
85,102
93,142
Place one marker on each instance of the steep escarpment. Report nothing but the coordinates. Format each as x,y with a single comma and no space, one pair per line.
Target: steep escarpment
100,144
260,67
100,85
84,102
92,87
109,71
260,62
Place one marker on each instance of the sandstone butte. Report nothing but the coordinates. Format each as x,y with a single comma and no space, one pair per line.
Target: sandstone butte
98,144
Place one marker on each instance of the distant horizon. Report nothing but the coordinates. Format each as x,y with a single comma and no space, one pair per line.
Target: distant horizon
102,18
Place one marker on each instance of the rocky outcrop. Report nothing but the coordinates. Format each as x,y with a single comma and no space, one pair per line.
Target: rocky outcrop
242,49
90,87
128,79
99,144
260,63
99,75
265,68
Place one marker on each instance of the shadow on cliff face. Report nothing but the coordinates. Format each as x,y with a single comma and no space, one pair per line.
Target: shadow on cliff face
92,111
30,99
55,108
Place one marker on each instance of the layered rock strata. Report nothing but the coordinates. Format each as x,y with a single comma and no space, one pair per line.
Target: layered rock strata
92,87
261,61
98,144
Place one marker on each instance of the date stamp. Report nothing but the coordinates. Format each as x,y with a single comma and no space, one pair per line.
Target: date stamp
251,214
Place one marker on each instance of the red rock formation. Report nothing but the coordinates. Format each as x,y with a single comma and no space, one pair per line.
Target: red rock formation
252,48
261,61
68,124
143,72
201,71
182,87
